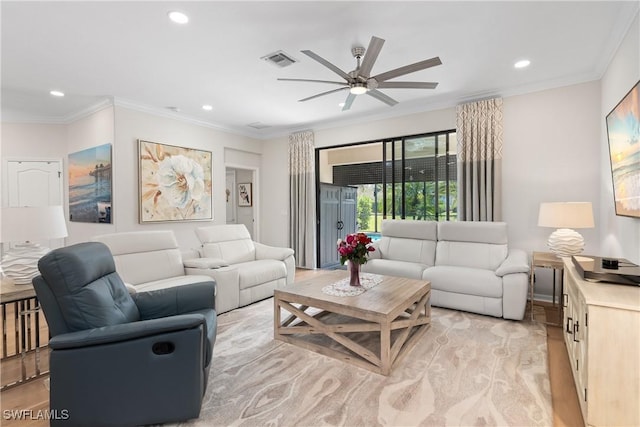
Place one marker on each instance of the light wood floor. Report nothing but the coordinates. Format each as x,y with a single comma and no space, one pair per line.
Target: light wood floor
566,410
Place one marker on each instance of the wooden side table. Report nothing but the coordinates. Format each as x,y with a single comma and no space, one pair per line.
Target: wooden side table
547,260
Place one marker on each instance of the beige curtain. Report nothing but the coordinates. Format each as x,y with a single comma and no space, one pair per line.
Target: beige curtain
302,198
479,134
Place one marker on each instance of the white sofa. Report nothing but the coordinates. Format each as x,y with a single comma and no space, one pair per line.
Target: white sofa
245,271
469,264
148,260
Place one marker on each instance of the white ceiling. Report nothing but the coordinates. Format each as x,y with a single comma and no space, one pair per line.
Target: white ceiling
130,53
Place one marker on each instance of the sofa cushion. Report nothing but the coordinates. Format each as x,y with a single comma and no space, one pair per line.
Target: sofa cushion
473,231
409,250
172,281
258,272
388,267
464,280
230,242
232,252
475,255
409,229
144,256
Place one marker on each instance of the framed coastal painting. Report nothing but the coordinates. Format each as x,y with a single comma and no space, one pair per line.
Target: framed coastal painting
623,132
245,195
90,185
175,183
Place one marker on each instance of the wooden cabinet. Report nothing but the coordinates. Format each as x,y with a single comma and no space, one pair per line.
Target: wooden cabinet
601,325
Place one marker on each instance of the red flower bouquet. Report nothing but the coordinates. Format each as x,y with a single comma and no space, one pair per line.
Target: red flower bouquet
355,248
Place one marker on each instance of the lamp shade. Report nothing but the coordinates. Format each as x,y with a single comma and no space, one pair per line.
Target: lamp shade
25,224
566,215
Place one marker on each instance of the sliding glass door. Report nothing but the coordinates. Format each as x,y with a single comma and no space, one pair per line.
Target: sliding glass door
412,177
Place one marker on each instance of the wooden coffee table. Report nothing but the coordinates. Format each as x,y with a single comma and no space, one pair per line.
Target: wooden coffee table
396,311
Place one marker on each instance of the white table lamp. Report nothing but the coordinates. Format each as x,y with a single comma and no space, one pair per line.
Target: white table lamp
565,216
22,227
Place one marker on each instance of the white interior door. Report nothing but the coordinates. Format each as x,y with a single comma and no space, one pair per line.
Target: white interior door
34,183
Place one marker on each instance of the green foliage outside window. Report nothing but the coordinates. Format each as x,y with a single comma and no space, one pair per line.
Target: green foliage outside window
364,212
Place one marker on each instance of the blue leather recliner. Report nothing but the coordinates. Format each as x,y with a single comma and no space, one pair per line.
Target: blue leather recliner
118,359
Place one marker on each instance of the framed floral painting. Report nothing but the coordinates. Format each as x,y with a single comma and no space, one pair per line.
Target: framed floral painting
175,183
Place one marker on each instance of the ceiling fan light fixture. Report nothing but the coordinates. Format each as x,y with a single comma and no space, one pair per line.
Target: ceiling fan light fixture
358,89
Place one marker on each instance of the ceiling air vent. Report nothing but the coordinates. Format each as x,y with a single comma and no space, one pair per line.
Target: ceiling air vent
279,59
258,125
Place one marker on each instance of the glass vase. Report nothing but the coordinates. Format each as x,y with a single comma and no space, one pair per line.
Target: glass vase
354,274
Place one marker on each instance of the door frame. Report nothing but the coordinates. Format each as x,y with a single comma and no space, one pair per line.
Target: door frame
255,174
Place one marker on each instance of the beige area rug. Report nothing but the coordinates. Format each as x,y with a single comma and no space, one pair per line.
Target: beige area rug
467,370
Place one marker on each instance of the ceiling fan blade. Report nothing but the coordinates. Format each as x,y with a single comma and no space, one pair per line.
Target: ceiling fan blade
407,69
347,103
323,94
315,81
408,85
370,56
382,97
327,64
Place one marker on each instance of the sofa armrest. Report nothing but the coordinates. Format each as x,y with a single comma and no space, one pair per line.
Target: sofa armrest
517,261
272,252
176,300
126,331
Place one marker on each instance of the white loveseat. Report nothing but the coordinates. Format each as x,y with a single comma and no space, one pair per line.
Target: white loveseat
469,264
245,271
148,260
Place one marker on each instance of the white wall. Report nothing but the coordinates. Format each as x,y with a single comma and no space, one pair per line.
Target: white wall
551,154
133,125
274,179
20,141
33,141
620,236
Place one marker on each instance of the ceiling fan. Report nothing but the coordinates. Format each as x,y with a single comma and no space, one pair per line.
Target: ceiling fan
359,81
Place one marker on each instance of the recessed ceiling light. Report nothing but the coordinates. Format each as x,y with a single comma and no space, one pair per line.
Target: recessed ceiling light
207,107
341,104
56,93
522,64
178,17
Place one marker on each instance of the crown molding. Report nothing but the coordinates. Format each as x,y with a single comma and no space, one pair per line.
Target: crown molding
161,112
626,19
86,112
